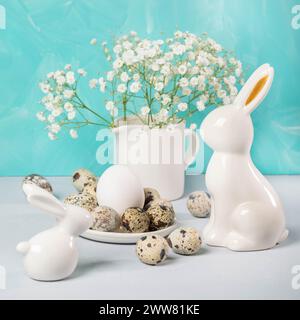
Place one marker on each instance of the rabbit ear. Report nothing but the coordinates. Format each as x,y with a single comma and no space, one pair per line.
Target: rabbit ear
44,200
256,88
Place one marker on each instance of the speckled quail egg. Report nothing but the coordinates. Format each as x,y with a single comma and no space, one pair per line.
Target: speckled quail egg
90,189
151,194
105,219
135,220
38,180
161,214
83,200
152,249
185,241
83,177
198,204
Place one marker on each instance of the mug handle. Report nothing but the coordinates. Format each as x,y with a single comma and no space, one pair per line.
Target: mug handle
193,148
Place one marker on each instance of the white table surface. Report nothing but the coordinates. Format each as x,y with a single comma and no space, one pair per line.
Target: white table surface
109,271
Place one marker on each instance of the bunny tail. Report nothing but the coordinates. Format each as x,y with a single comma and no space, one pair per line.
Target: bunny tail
23,247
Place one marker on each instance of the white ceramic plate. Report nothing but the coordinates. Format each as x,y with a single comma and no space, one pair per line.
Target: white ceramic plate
125,238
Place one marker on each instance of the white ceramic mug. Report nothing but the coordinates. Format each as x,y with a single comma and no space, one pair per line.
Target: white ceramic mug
159,157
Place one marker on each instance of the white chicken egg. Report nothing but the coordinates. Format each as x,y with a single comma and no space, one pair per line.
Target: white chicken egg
119,188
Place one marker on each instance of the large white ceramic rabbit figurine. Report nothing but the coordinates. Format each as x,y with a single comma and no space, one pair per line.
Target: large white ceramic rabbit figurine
246,211
52,254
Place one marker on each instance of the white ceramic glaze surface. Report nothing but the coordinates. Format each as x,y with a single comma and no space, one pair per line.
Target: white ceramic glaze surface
246,212
52,254
125,238
162,156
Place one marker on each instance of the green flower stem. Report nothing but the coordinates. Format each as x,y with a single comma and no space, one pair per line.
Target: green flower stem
92,111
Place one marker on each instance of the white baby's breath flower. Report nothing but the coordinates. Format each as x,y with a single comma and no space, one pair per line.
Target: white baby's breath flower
178,34
57,112
157,96
73,134
61,80
195,70
128,57
124,76
200,105
93,83
114,112
182,69
81,72
135,87
183,82
68,94
70,77
226,100
179,49
45,87
109,105
165,70
182,106
127,45
145,110
121,88
169,56
68,106
136,77
50,75
41,117
155,67
193,126
171,127
162,115
159,86
110,75
221,62
232,79
186,91
165,99
93,41
50,118
238,72
52,136
54,127
71,115
176,99
117,64
133,33
102,84
161,61
68,67
117,48
194,81
233,61
201,86
233,91
221,94
191,56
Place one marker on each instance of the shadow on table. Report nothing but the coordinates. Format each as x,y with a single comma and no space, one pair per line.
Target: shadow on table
85,267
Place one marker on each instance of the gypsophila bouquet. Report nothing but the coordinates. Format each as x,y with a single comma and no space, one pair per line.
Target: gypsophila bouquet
160,82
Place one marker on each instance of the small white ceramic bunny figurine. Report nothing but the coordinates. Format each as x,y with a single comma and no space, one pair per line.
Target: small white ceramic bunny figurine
246,211
52,254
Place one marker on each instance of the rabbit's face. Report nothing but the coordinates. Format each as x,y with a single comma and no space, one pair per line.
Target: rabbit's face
228,129
78,220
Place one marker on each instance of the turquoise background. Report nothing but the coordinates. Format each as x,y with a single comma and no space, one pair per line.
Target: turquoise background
42,36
